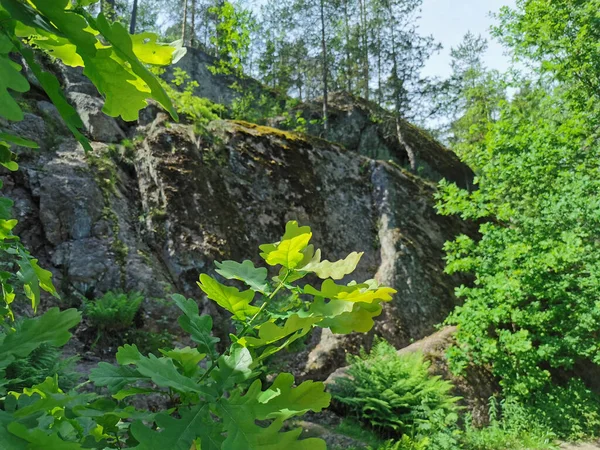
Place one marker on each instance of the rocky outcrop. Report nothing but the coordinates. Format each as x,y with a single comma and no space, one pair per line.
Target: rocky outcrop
153,214
366,128
355,123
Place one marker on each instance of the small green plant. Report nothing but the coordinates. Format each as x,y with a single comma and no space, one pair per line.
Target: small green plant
113,311
395,394
45,361
511,427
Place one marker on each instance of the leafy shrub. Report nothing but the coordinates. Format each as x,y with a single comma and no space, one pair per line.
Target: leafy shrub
572,411
395,394
221,403
199,110
511,427
113,311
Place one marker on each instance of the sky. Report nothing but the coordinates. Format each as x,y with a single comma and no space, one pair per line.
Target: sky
449,20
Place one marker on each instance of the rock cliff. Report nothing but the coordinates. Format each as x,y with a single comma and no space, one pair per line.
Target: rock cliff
153,212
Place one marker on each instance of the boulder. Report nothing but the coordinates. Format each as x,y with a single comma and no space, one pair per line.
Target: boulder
98,125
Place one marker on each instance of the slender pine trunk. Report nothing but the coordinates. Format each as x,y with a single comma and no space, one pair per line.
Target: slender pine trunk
133,22
184,22
324,51
193,24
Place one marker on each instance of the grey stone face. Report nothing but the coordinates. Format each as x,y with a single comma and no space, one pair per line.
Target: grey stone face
153,223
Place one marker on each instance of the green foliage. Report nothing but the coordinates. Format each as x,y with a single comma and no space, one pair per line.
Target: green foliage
396,394
532,314
559,35
113,311
232,39
219,400
200,111
511,427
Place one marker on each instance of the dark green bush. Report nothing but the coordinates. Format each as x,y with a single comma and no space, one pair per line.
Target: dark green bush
395,394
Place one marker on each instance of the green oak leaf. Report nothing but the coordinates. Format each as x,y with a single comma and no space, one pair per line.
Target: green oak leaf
230,298
128,354
52,87
18,140
161,371
269,332
37,438
27,15
254,277
180,434
49,328
280,401
199,327
113,377
10,78
233,368
336,270
187,359
123,46
283,401
129,392
7,157
7,439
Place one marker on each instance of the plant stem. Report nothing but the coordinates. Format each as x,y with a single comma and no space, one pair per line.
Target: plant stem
247,325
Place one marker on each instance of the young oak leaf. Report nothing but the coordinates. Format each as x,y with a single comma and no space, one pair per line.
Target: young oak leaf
287,253
34,278
269,332
180,434
336,270
187,359
10,78
233,368
281,401
290,251
343,317
230,298
149,51
254,277
363,293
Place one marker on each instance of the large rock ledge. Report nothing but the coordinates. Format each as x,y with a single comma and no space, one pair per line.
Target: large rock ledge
156,218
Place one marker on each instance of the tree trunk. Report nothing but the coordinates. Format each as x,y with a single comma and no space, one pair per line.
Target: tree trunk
324,51
348,60
134,12
365,47
193,25
184,24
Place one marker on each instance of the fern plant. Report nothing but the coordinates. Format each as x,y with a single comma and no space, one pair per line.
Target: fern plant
395,394
113,311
